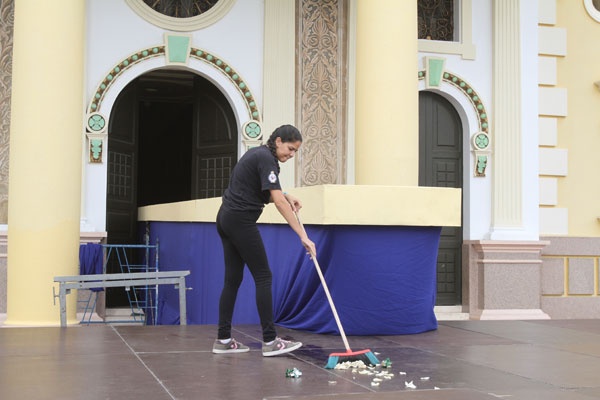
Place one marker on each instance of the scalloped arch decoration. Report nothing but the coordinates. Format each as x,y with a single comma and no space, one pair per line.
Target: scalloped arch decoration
470,93
96,102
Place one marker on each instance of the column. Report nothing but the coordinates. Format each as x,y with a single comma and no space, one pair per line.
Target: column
505,275
387,101
45,157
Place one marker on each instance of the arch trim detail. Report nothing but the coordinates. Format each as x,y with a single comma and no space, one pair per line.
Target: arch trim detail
218,63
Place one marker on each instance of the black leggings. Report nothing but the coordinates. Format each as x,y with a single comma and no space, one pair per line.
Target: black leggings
242,244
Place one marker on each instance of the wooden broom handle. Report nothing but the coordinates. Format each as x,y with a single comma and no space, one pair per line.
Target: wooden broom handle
322,278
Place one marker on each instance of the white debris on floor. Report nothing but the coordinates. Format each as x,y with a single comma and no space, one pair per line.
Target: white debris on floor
379,373
410,385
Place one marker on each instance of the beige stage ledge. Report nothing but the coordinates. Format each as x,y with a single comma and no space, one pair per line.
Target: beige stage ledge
338,205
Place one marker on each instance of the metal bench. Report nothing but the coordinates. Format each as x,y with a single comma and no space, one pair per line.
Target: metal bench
127,280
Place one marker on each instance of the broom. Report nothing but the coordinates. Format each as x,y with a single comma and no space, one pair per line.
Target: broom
366,355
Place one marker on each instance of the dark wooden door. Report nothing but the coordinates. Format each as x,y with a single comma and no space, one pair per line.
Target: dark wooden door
172,137
121,190
440,165
213,144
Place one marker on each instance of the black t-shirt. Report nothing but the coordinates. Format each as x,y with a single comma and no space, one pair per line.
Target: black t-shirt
253,176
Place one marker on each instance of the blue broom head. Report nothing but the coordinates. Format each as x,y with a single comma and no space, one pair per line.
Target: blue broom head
332,362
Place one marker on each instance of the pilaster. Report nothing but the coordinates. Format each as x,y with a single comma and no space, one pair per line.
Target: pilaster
507,181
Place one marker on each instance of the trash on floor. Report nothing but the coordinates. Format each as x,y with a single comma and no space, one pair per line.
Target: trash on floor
351,364
293,373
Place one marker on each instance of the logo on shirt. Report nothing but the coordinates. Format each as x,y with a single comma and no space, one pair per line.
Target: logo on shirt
272,177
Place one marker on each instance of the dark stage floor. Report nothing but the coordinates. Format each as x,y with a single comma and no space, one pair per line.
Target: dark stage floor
462,360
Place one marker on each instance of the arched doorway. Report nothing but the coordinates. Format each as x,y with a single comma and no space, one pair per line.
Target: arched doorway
172,137
441,165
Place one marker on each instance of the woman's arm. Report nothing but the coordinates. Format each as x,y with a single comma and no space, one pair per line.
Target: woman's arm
287,205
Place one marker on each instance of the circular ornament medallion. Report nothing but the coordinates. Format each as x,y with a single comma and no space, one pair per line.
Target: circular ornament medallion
252,130
481,140
96,122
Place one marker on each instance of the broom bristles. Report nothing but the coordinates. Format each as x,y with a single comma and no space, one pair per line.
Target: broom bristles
365,356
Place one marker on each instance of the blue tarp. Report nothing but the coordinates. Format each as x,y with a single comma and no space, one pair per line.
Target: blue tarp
91,261
382,279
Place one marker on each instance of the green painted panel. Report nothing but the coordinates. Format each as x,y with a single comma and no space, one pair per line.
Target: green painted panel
436,68
178,48
96,150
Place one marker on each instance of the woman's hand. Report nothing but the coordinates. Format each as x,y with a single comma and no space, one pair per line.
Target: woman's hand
288,207
309,246
294,202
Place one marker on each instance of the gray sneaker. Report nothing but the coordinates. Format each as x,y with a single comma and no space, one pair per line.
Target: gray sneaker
232,347
279,346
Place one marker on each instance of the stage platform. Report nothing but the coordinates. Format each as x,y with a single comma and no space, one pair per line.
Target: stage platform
461,360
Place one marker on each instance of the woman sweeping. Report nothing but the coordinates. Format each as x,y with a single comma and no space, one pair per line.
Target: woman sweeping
255,182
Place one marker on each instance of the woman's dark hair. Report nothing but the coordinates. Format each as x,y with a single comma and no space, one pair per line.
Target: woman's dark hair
287,133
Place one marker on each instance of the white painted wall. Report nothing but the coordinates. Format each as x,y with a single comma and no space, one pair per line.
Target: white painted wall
115,31
477,207
530,119
478,73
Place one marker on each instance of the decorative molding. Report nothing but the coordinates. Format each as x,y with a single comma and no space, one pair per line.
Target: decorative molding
533,248
592,9
480,140
510,314
480,145
156,51
177,48
470,93
95,143
96,123
321,80
114,73
252,132
508,261
6,48
226,69
465,47
92,237
95,150
434,69
198,22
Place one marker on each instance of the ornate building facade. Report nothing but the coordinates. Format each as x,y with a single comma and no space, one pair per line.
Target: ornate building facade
492,98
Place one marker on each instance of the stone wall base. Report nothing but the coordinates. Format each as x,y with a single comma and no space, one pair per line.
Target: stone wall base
502,279
507,314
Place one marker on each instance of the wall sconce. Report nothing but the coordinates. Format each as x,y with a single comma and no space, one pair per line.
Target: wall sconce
597,83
